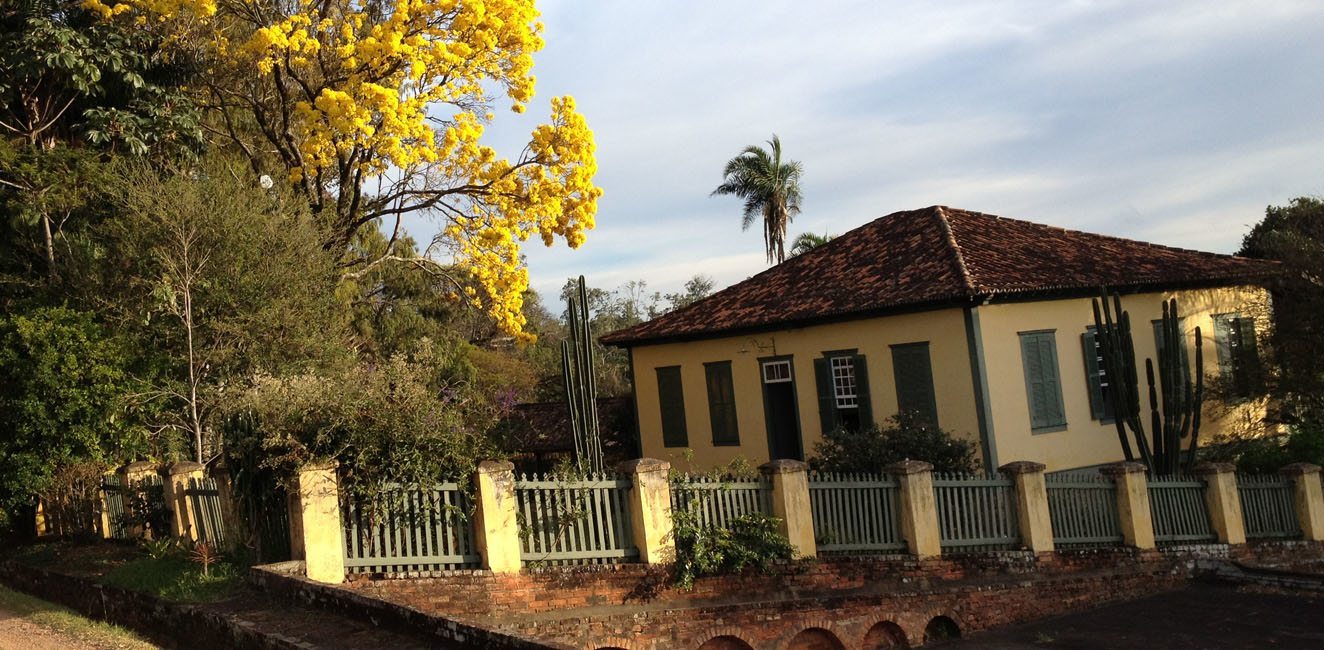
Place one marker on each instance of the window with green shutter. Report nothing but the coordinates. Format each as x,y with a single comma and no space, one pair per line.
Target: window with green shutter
842,379
1096,378
722,403
1160,344
913,372
1238,354
1043,386
672,401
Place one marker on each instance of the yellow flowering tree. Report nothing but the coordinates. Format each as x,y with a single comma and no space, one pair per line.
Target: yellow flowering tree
377,108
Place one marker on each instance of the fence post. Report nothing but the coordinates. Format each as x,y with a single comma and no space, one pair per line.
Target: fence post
497,528
131,478
1032,504
919,511
650,509
1224,502
176,482
42,521
229,507
1309,499
790,503
321,533
105,508
1132,490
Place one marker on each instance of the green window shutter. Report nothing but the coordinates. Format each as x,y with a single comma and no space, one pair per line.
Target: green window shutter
1247,357
1223,344
1042,383
827,402
912,371
1098,401
721,403
862,392
672,401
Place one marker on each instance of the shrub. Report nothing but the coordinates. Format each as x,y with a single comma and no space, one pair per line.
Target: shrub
902,438
751,541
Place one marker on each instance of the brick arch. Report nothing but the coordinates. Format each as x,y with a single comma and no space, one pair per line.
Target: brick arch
815,638
942,626
726,638
615,643
885,635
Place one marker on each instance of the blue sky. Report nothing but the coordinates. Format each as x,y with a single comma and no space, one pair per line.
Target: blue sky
1174,122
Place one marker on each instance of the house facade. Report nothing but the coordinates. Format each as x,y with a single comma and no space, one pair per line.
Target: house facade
978,323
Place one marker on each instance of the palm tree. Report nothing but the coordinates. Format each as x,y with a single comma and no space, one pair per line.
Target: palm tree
808,241
770,188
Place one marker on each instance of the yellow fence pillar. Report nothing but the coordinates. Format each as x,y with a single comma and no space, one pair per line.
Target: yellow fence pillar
1309,499
1224,502
42,522
919,511
650,509
132,478
790,503
177,477
106,532
1032,504
317,518
495,522
1132,503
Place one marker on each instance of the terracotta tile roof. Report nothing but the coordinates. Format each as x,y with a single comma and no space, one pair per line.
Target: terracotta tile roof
933,257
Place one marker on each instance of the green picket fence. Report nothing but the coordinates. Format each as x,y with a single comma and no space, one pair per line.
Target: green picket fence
1181,515
976,513
139,505
717,501
575,521
1083,510
856,512
1268,507
410,529
203,500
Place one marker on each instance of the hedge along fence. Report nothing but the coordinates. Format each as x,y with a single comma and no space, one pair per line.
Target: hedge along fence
717,501
575,521
856,512
1083,510
976,512
410,529
1180,512
1268,507
203,500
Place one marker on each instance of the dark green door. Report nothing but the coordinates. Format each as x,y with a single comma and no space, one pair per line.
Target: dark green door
780,410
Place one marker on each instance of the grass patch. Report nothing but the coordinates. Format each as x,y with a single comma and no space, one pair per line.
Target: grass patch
65,621
176,579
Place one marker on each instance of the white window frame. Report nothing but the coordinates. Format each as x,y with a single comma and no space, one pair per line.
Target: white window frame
844,388
770,378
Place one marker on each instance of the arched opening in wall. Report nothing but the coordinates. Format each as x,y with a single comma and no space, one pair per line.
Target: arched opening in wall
941,628
611,647
885,636
815,638
725,643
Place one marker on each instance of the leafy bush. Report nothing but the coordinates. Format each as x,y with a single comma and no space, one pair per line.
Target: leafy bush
1266,454
752,540
902,438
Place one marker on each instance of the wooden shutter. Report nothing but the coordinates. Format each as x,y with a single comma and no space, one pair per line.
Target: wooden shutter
1098,400
913,373
721,403
671,398
1042,384
827,400
1223,344
862,392
1246,360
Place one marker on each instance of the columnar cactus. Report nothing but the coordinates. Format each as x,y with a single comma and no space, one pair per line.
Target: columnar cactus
1182,397
581,390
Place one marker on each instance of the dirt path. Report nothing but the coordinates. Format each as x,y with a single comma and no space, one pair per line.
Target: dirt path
20,633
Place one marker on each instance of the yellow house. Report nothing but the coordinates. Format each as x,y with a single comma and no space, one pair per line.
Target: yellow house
979,323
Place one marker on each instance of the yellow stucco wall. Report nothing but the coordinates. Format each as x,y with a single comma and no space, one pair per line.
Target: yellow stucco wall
1086,441
948,354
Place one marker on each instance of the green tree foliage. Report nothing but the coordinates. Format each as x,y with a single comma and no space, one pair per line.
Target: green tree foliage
227,280
1294,235
770,189
63,380
752,541
807,241
403,420
901,438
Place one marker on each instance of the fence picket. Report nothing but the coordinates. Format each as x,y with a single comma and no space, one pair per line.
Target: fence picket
1268,506
575,520
404,531
1083,511
1177,504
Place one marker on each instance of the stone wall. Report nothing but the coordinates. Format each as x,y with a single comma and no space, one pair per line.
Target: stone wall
809,604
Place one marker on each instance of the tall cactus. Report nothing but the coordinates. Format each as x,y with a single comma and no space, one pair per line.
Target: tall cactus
1182,398
581,388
